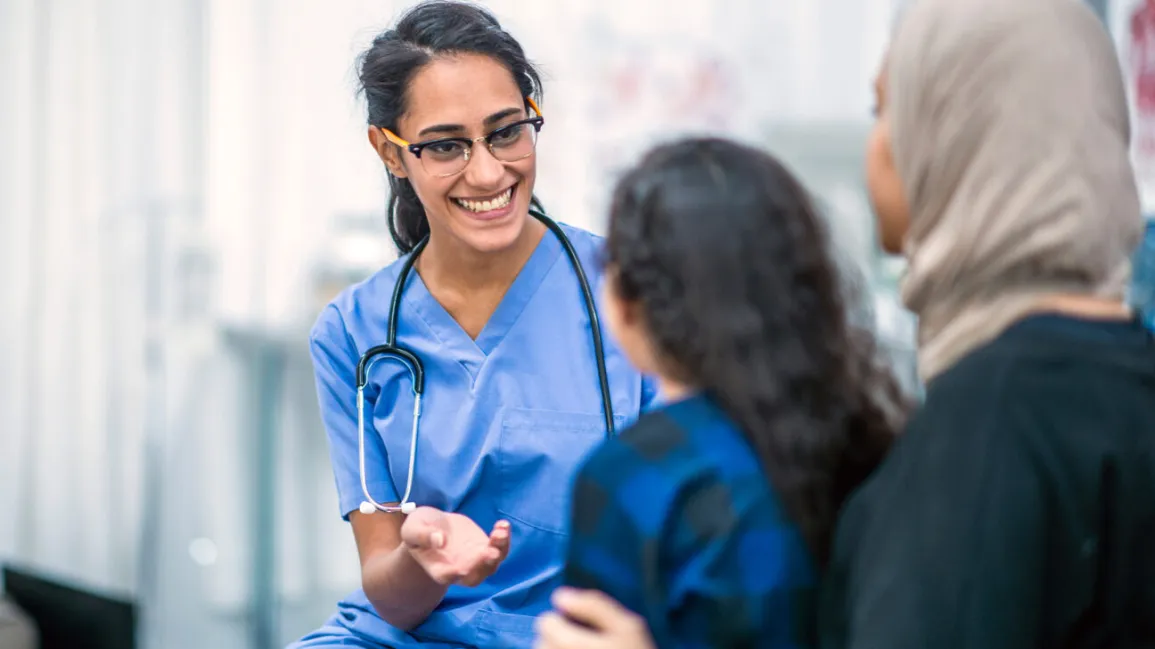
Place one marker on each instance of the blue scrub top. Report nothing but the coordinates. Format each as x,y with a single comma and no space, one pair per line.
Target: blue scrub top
506,420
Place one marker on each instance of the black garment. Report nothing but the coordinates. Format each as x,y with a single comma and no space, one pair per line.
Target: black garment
1018,509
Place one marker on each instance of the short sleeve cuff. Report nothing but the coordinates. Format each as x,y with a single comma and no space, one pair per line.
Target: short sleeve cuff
351,497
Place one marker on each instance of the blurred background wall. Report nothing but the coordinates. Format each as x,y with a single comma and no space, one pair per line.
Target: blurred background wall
183,185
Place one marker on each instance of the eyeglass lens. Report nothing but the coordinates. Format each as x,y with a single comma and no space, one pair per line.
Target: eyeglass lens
509,144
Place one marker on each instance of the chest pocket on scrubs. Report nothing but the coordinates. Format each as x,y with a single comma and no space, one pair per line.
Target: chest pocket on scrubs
539,454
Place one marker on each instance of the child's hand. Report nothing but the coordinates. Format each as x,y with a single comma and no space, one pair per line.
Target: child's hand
589,619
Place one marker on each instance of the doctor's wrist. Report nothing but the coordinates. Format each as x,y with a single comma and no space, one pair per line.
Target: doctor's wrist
400,590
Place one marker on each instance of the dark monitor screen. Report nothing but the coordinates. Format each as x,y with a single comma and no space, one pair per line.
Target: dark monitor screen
69,617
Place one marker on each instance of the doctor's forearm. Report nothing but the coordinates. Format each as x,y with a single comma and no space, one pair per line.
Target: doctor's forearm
399,588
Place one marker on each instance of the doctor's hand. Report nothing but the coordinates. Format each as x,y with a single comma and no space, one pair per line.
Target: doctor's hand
589,619
452,548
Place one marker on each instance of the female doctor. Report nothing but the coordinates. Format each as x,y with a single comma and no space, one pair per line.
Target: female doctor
493,305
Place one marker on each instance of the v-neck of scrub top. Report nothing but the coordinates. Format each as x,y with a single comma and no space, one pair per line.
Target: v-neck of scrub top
470,353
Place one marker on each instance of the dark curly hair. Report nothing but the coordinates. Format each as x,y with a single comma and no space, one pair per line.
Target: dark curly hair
732,269
428,30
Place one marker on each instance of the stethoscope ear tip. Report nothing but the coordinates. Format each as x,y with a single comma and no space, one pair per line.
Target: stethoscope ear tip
367,508
408,508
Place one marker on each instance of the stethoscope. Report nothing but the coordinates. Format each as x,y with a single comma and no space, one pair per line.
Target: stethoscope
390,350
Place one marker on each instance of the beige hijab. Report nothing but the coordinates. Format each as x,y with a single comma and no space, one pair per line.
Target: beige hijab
1010,132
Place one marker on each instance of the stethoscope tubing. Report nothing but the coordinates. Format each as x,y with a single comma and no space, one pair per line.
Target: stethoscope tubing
390,350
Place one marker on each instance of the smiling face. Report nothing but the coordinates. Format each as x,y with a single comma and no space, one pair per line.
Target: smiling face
485,207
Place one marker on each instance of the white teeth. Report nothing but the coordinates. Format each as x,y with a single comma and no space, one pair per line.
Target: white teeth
486,206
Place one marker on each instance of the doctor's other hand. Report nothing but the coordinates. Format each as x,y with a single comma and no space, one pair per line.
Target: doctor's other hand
452,548
590,619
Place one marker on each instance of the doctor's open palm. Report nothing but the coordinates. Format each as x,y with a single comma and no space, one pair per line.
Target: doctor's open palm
452,548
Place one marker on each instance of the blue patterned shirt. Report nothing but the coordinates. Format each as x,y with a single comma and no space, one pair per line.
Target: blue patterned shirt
676,520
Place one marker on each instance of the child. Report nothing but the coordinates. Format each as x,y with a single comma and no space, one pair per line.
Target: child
712,516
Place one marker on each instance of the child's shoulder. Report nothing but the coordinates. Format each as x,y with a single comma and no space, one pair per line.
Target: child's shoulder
672,444
653,440
674,449
638,475
656,436
695,429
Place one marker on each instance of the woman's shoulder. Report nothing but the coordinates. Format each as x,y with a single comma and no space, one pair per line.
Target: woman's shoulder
576,232
587,244
367,299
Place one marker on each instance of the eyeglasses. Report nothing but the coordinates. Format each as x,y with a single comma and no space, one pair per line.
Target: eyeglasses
449,156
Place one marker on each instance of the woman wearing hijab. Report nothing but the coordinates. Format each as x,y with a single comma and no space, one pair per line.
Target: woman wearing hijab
1018,509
